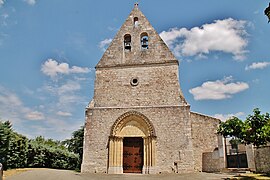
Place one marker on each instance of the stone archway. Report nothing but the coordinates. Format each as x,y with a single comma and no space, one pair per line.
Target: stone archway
132,125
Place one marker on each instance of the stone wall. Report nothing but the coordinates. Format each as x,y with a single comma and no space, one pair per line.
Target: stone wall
250,157
156,85
262,159
173,144
210,161
205,139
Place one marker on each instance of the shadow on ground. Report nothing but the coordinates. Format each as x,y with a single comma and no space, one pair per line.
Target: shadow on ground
251,176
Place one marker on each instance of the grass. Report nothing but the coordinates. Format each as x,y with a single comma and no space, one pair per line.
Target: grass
251,176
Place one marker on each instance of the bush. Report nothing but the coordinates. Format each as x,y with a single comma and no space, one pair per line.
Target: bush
50,154
16,151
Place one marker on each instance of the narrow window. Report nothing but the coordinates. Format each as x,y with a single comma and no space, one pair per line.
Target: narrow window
127,42
144,41
136,22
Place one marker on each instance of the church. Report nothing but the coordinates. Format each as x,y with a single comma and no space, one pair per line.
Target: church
138,120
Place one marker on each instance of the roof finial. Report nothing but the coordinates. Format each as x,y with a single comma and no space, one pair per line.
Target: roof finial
136,4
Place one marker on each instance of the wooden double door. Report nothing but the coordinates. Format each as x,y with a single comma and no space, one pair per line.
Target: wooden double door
132,155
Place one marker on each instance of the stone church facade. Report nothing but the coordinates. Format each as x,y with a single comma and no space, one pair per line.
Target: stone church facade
138,120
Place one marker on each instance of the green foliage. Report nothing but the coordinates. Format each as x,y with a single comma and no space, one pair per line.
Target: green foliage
16,151
5,136
254,130
235,141
231,127
50,154
75,144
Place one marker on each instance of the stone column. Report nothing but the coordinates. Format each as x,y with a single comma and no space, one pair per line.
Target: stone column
150,151
110,152
145,158
149,155
115,155
121,154
152,166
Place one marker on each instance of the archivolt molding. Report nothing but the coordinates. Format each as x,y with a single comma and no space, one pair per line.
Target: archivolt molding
125,118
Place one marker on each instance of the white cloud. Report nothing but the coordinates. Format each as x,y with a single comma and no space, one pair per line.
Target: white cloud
9,98
70,86
103,44
3,36
12,107
51,118
66,94
66,88
226,35
5,16
2,3
4,19
224,117
35,115
52,68
61,113
257,65
219,89
59,128
30,2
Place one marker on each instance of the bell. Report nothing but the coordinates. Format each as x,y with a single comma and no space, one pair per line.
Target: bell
267,12
128,45
145,43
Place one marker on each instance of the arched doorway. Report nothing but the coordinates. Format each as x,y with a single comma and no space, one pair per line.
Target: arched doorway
132,145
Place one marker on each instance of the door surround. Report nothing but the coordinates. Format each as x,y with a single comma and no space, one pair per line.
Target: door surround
132,124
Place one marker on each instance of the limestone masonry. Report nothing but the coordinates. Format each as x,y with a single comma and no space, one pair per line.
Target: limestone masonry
138,120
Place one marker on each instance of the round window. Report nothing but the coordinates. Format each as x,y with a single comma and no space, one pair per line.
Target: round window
134,81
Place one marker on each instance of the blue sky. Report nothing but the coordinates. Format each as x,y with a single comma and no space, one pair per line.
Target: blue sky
49,48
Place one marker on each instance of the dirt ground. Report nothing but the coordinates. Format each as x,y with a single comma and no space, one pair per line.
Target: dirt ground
53,174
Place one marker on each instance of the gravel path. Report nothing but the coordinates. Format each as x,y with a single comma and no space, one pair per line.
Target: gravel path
52,174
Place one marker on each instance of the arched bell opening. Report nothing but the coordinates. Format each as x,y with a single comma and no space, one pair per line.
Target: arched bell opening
144,41
132,145
127,42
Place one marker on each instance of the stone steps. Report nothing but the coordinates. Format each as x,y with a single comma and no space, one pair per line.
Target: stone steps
237,170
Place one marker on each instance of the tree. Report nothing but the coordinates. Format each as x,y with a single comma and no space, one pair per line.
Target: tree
5,135
231,127
254,130
13,147
75,144
51,154
17,151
